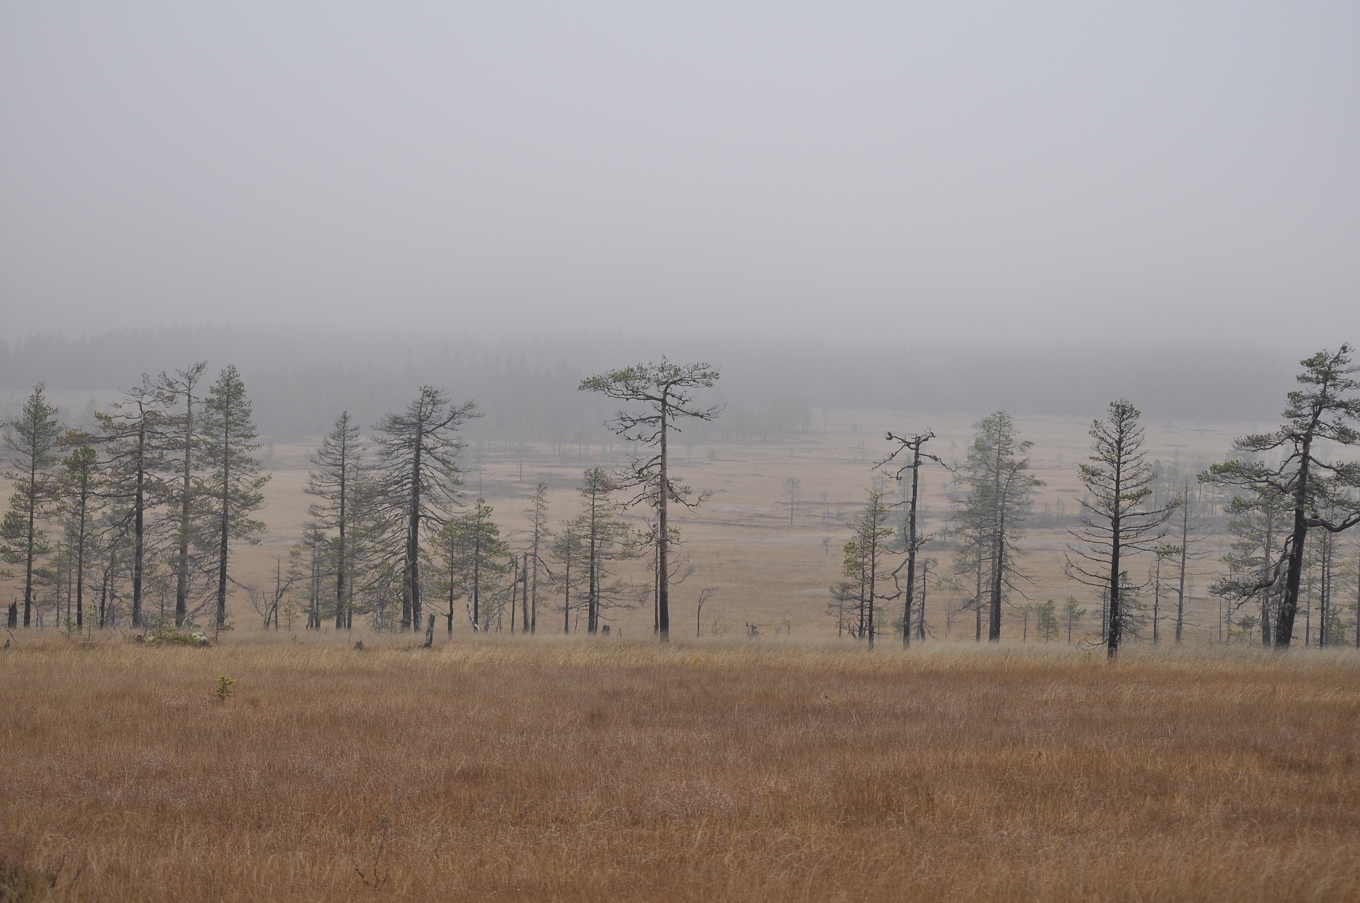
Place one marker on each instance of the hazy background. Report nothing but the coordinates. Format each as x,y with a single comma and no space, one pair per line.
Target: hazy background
961,172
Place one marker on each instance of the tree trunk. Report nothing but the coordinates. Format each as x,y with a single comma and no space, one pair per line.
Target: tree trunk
977,597
566,598
1185,551
1115,630
1157,603
80,563
223,546
998,576
182,553
524,594
410,596
340,550
31,537
663,610
911,546
139,524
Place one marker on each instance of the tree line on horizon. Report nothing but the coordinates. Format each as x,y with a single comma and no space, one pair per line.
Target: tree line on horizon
150,499
1285,484
772,388
147,503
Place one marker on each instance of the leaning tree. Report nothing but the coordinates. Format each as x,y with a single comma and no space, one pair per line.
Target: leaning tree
1295,463
663,394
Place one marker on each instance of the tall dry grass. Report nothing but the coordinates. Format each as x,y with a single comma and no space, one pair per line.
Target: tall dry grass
572,770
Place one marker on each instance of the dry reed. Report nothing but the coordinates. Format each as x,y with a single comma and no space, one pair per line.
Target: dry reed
575,770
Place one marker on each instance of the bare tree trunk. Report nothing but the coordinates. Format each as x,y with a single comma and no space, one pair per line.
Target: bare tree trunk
1185,551
921,615
998,576
80,569
977,598
566,583
1157,603
225,528
911,545
524,594
182,553
1289,605
138,525
663,610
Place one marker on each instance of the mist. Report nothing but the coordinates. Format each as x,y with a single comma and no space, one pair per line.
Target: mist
982,172
301,379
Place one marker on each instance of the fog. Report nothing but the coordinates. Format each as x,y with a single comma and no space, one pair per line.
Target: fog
300,379
1064,173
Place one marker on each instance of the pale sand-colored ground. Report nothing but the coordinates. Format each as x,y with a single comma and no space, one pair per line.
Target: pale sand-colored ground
765,570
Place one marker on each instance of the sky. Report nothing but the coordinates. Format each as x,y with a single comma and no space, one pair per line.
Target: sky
1047,171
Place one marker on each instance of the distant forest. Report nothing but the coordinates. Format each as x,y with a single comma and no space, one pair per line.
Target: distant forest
301,379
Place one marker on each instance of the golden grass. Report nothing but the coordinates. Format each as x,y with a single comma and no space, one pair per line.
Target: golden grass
550,769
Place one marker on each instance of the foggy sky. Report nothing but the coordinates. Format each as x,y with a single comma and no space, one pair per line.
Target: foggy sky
1035,170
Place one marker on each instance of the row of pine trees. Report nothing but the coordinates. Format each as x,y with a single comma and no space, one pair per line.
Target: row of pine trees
130,520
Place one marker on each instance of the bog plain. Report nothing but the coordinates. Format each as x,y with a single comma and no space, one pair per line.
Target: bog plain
787,765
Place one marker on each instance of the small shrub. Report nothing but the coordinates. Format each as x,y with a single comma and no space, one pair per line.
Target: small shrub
224,685
162,635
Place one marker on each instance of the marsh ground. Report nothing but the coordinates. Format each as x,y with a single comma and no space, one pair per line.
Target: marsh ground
578,769
774,571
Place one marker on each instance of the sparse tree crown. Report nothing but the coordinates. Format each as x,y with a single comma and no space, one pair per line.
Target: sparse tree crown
665,392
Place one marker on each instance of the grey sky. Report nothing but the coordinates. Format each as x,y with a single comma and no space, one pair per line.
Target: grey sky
1038,170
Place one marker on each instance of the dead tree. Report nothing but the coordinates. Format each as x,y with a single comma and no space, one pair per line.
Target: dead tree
912,444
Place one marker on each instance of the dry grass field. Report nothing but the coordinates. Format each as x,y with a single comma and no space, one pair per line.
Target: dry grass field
788,767
555,769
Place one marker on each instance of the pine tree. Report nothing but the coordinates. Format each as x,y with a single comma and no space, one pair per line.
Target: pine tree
605,537
913,541
474,559
1320,489
863,566
666,390
31,447
177,397
566,549
1000,489
1115,520
336,467
1257,525
537,512
418,480
79,504
232,484
134,445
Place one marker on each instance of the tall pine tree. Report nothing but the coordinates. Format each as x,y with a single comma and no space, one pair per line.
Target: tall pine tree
232,483
31,447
